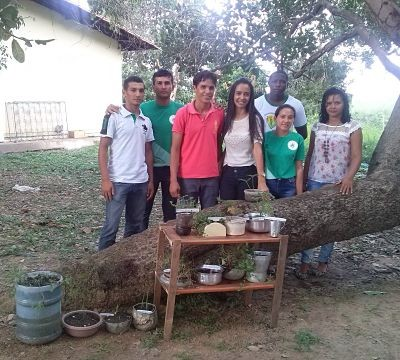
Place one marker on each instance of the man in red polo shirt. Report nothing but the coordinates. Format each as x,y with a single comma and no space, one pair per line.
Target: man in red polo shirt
196,140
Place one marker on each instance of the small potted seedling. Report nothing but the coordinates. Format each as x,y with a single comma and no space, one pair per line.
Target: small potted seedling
144,315
118,322
235,260
185,272
252,194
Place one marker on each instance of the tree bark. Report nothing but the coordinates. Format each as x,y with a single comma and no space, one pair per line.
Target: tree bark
124,273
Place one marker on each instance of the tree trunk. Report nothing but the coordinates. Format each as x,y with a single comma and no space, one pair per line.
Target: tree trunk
124,273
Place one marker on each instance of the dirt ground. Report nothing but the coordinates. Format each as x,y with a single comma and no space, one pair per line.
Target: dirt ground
351,313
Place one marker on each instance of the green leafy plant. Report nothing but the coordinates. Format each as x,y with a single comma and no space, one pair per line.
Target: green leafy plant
305,339
185,202
264,205
235,256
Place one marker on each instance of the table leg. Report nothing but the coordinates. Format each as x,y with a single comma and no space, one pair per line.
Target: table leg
169,314
280,273
248,295
159,259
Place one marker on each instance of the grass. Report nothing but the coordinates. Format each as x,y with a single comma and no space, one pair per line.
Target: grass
57,218
151,340
305,339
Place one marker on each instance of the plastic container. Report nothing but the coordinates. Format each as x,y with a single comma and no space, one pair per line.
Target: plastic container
235,225
38,308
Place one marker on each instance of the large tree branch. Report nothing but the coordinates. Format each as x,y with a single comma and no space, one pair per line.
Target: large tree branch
323,50
387,13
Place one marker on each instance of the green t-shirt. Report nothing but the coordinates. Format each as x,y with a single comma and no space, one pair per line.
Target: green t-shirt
162,118
281,154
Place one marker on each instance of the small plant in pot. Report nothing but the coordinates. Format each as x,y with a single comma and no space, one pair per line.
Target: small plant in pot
144,315
235,260
252,194
185,272
82,323
185,207
118,323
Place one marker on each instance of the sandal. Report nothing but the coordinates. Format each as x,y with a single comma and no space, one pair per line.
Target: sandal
301,275
319,273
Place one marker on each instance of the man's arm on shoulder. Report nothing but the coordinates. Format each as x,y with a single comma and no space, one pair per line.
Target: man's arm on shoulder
302,130
107,189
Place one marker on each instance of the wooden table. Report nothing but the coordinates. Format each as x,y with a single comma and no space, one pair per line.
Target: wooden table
168,236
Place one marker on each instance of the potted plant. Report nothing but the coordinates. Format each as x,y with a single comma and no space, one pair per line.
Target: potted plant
252,194
185,272
38,307
235,260
118,323
82,323
185,207
144,315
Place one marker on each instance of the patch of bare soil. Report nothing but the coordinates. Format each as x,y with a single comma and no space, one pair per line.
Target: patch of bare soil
351,313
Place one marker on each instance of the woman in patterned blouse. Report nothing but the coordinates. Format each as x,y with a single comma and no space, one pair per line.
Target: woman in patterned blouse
334,157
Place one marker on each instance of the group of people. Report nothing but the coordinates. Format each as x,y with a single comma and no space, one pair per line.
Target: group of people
203,151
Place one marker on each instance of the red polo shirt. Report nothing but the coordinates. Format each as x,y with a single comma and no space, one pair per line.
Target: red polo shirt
199,153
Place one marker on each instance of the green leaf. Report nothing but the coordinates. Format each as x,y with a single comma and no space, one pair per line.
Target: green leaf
4,3
43,42
10,13
17,51
4,35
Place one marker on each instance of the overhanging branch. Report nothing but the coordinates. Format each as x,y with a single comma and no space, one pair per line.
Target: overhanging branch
325,49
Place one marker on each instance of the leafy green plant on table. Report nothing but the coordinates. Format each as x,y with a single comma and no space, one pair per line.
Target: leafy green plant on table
264,205
235,257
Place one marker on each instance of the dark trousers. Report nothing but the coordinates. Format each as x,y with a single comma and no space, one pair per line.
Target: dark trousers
161,176
205,189
234,180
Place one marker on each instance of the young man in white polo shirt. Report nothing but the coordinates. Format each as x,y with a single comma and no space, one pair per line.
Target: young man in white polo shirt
127,176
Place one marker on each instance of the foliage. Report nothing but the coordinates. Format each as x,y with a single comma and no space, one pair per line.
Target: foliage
305,339
11,20
236,257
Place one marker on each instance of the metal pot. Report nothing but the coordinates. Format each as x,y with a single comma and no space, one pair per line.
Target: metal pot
257,223
209,274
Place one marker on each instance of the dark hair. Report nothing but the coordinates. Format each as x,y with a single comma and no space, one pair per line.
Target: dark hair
204,75
284,106
256,123
323,115
130,79
162,72
280,72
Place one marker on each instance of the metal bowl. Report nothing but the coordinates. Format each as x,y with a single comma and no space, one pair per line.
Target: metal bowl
209,274
257,223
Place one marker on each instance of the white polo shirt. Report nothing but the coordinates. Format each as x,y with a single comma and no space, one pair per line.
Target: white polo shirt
267,112
126,160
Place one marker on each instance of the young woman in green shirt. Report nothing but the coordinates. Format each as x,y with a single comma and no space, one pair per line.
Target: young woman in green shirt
284,155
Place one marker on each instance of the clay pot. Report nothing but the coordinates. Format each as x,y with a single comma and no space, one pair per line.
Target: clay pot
81,323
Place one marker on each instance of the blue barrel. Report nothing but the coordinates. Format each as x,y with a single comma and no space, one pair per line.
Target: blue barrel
38,308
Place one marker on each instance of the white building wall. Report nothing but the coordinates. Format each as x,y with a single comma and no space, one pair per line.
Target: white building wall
81,67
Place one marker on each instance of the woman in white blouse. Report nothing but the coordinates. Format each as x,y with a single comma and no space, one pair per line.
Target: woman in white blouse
243,165
334,157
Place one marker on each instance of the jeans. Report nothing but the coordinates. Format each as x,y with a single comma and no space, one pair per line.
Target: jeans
282,188
205,189
326,250
132,197
234,180
161,176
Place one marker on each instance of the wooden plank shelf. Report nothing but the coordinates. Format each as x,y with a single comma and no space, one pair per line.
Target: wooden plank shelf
224,286
170,237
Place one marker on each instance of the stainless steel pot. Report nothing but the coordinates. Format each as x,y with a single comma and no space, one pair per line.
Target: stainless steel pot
257,223
209,274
